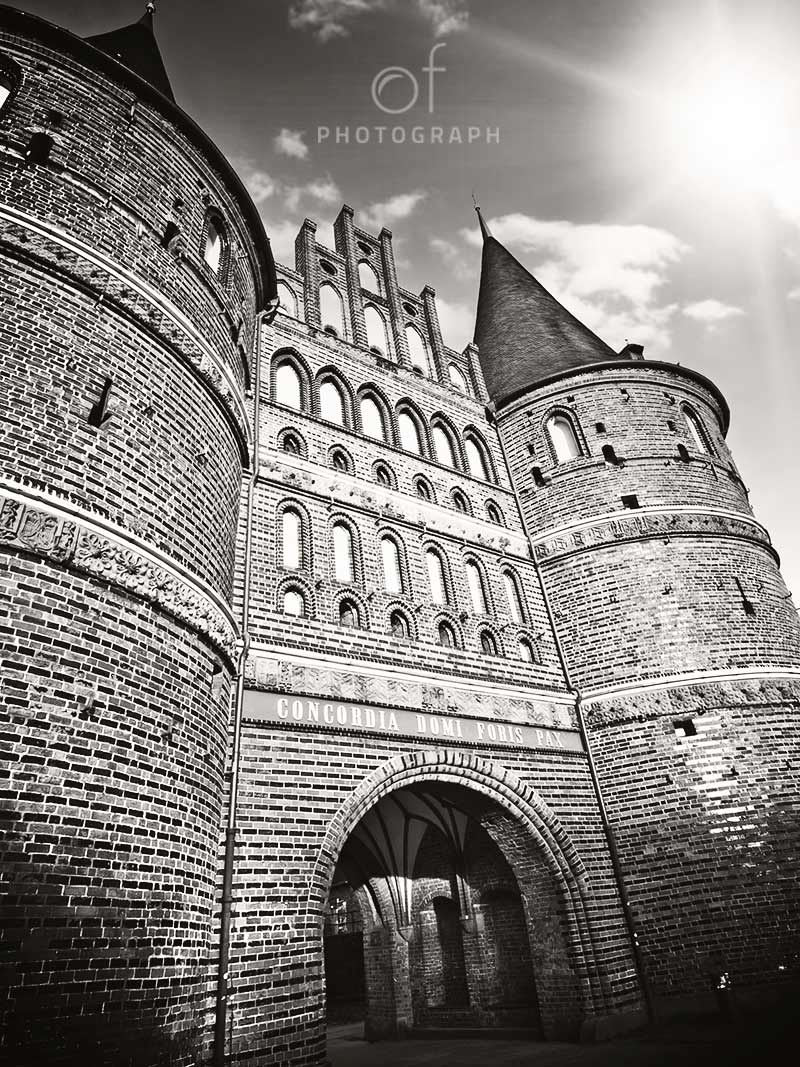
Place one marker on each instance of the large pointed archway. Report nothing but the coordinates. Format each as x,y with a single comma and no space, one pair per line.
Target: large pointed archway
456,860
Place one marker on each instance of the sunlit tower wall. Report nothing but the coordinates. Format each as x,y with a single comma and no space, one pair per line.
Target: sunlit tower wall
134,268
676,630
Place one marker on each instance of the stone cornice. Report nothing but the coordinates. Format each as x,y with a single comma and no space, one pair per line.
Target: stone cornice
48,524
647,523
693,679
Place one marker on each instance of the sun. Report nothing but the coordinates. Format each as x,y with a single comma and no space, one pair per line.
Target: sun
730,122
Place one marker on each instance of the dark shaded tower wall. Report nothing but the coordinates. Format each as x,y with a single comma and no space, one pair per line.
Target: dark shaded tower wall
124,350
678,630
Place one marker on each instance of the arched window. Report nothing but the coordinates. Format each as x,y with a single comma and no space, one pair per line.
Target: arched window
399,625
392,571
493,513
331,309
526,650
368,277
514,597
410,438
340,461
697,431
343,560
294,603
288,300
477,590
457,379
436,576
488,643
288,386
349,614
215,242
476,459
292,540
377,332
423,488
372,419
10,77
418,351
562,438
446,635
384,476
460,502
291,445
331,402
443,446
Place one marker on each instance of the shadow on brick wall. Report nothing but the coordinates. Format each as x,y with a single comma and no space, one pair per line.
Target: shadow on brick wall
77,970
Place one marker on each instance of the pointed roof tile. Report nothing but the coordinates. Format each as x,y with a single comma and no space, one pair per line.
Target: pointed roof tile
135,47
524,335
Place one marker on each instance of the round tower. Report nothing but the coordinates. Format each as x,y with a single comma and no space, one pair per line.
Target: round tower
676,630
134,270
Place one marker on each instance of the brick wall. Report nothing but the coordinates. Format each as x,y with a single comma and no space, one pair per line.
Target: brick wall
118,543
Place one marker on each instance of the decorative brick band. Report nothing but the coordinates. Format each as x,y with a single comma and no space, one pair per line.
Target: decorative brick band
615,528
91,267
56,530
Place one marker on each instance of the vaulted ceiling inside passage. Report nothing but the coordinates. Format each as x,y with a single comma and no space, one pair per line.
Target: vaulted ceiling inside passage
386,842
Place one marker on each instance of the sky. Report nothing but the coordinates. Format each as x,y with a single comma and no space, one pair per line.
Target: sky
641,157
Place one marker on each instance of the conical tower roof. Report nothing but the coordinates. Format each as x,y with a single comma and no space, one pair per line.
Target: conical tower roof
135,47
524,335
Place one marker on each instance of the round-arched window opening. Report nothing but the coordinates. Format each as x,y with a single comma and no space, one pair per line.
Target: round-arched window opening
443,446
488,643
288,387
410,437
10,78
563,438
383,476
476,460
291,445
423,490
493,514
398,625
457,378
348,615
526,651
373,423
331,402
445,635
460,502
214,247
339,461
294,603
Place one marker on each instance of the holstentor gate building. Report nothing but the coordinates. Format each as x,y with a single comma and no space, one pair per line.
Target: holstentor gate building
330,654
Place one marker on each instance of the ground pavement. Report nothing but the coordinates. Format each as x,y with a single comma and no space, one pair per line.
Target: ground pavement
707,1042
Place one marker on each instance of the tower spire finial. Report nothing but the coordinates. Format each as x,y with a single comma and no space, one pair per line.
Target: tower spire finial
481,220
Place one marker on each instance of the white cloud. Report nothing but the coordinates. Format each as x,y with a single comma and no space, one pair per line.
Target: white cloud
290,143
281,238
321,190
607,275
388,211
457,322
446,16
258,183
462,266
711,312
329,19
